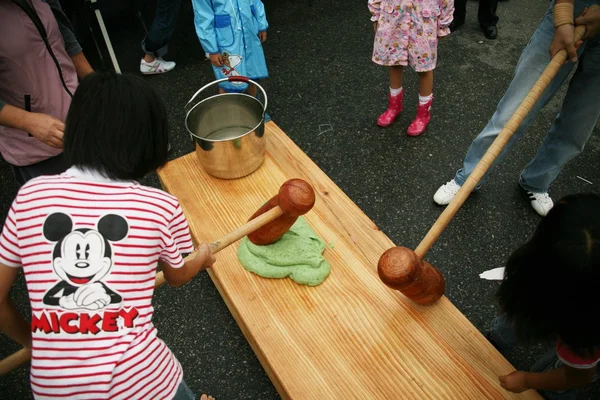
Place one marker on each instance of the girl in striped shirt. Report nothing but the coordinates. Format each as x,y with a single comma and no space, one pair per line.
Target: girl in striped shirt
89,242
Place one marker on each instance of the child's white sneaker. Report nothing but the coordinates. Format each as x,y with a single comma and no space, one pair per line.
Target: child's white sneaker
446,193
158,66
541,202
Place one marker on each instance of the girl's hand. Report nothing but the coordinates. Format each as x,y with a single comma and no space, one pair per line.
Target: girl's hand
375,24
216,60
514,382
204,257
262,36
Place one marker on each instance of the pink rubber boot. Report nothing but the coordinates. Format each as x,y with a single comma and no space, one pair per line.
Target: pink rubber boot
422,119
393,110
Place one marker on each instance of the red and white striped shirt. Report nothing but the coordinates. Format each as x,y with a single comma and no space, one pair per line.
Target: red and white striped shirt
89,248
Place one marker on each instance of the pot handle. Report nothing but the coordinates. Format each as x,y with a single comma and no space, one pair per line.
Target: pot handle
230,79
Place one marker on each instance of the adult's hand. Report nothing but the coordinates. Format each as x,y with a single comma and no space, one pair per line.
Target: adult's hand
591,20
45,128
564,38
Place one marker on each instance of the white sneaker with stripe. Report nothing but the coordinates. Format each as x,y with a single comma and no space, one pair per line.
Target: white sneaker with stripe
158,66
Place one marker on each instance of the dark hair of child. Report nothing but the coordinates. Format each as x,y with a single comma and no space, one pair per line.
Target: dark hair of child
117,126
551,288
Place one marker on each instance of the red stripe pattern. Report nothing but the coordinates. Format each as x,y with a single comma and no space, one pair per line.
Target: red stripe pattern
91,289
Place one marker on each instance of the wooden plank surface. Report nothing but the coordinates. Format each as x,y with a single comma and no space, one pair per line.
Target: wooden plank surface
351,337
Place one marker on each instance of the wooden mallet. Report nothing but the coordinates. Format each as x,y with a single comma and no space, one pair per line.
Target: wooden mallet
295,198
403,269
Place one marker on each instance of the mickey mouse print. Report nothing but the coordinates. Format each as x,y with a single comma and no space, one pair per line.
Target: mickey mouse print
81,259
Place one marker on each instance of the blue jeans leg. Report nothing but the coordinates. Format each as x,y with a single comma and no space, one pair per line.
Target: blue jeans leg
162,27
503,334
573,126
184,392
532,63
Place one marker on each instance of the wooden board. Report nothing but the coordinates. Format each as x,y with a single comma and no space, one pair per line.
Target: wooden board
351,337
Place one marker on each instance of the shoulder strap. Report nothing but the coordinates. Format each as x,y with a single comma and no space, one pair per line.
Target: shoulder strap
30,11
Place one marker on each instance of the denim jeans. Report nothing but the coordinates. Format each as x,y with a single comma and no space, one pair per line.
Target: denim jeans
162,27
573,125
184,392
504,337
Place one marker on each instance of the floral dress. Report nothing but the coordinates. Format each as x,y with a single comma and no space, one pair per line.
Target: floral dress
408,31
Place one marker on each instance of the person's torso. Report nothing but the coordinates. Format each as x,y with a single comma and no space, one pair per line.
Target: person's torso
235,22
89,253
29,78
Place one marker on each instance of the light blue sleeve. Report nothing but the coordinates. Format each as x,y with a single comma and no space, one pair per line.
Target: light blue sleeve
260,15
204,18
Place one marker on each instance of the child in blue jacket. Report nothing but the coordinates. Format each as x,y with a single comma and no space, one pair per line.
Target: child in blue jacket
231,31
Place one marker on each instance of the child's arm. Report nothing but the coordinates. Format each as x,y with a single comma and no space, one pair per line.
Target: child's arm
563,378
177,277
446,17
260,15
12,322
204,18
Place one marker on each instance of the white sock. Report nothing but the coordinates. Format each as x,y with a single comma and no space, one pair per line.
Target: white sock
425,99
396,92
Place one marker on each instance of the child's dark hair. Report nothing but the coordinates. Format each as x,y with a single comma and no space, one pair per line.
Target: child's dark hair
117,126
551,286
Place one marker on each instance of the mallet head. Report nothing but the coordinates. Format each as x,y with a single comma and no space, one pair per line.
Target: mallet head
296,197
401,269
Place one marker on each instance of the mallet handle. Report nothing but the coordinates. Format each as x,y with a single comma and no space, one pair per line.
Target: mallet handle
494,150
22,356
232,236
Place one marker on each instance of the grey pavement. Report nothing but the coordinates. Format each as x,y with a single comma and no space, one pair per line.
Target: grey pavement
321,78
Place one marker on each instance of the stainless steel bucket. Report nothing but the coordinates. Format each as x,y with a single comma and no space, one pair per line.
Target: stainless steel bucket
228,130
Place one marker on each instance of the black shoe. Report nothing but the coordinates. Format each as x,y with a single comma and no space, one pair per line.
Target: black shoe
490,32
454,26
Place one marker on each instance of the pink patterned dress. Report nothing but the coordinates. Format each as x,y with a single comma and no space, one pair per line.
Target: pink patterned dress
408,31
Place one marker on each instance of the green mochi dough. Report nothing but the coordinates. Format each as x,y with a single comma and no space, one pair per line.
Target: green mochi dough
298,254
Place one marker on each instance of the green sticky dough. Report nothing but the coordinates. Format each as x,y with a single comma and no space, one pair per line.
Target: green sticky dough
297,255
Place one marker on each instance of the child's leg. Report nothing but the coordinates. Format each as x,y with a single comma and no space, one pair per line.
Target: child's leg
423,117
396,77
252,90
395,98
503,334
425,83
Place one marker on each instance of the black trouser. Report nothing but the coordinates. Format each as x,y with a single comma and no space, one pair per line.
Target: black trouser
486,15
162,27
52,166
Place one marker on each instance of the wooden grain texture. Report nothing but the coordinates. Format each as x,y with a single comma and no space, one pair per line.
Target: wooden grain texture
351,337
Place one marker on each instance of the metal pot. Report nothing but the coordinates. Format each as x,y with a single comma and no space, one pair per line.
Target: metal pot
228,130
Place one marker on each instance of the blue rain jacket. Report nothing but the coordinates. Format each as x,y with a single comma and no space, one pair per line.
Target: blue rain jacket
231,27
